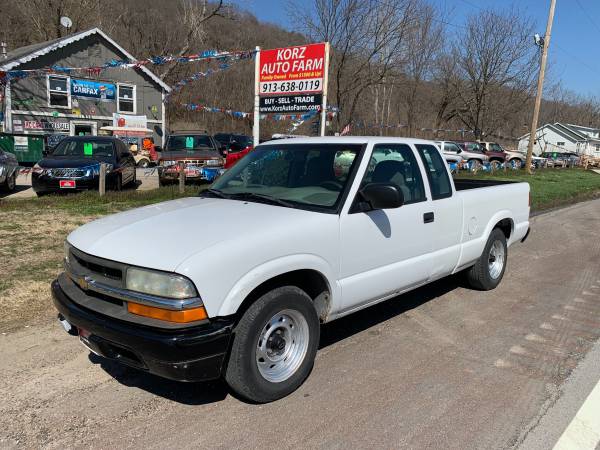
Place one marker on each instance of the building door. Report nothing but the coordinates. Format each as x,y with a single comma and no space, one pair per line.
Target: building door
81,128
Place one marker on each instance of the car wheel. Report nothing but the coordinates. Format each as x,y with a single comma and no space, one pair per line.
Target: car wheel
118,183
143,163
489,269
11,182
474,164
274,345
516,162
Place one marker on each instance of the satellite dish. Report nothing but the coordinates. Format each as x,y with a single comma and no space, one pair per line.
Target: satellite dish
66,22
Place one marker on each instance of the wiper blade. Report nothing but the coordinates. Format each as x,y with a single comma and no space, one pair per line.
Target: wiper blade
262,197
213,193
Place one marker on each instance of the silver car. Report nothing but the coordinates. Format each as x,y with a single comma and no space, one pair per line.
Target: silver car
452,149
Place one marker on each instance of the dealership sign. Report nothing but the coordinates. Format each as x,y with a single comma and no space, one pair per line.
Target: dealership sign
46,125
292,70
93,89
299,103
128,121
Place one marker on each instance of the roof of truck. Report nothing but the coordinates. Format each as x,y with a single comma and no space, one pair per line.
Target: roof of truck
349,140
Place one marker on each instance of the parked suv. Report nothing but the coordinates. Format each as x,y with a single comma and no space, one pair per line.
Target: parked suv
493,154
199,152
74,165
511,157
473,156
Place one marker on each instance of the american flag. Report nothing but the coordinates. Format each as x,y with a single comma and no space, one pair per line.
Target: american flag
346,130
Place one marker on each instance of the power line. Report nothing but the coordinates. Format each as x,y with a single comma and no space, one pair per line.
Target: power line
585,13
575,58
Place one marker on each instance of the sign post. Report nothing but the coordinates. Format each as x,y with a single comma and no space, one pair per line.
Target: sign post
325,84
256,125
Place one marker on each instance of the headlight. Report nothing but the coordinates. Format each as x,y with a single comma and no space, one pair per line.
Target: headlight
37,169
161,284
167,162
214,162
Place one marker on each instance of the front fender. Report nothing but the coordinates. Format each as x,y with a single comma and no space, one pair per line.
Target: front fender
270,269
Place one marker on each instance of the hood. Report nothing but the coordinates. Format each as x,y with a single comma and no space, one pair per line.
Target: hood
184,154
68,162
163,235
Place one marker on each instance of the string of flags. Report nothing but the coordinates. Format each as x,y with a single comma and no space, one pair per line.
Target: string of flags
248,115
207,56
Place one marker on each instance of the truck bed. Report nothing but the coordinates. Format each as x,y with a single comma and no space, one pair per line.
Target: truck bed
464,184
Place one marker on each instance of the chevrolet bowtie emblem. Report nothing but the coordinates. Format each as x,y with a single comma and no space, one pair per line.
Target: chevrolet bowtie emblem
83,284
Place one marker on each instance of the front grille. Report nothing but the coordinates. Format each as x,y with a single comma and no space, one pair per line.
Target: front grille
107,272
67,173
195,162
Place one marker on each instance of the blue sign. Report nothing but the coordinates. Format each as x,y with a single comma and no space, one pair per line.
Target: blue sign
93,89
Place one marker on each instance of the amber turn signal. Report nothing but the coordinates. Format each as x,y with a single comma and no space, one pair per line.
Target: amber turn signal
168,315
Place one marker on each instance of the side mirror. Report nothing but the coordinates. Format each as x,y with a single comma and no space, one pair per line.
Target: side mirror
382,195
158,148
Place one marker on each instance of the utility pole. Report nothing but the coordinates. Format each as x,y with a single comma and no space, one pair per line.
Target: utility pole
540,86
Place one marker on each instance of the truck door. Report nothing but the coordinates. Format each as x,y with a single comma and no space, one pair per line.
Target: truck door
387,251
446,213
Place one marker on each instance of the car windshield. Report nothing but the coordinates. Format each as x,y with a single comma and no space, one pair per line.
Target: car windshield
474,147
188,142
223,138
313,176
85,149
496,148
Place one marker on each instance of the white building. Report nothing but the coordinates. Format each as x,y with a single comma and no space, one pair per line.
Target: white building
562,138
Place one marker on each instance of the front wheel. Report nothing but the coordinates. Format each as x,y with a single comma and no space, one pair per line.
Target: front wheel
274,345
11,183
489,269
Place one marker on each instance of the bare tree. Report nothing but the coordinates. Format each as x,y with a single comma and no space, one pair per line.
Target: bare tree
367,39
495,59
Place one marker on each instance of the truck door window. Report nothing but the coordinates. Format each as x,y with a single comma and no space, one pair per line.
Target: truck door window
436,171
396,163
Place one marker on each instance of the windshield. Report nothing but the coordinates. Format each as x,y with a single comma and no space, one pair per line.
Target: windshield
311,175
496,148
85,149
189,142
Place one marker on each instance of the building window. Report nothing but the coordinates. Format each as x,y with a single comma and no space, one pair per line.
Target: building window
59,95
560,144
126,94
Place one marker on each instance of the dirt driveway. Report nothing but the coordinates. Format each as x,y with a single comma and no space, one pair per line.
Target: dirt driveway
442,367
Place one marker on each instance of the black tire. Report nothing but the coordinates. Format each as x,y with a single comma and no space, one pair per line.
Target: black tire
162,182
242,373
481,276
11,183
118,183
143,163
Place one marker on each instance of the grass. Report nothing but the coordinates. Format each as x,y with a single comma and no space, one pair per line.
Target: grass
32,231
551,188
90,203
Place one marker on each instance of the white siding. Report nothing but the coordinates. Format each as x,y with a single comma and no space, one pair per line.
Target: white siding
547,140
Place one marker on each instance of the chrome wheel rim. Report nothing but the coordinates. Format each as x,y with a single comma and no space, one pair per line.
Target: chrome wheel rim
282,345
496,259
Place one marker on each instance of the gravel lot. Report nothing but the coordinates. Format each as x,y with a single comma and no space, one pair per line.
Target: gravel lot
442,367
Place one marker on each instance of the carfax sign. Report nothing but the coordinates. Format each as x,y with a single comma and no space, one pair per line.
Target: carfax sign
93,89
292,70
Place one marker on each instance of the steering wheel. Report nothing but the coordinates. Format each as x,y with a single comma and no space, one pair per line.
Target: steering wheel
331,185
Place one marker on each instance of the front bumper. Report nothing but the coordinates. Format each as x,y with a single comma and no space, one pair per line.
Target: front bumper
190,354
202,173
45,183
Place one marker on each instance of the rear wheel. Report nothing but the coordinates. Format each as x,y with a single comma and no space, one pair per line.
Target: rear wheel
517,163
489,269
11,182
274,345
143,163
474,164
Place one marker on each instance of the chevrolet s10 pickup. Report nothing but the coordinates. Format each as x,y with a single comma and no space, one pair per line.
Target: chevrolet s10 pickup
298,233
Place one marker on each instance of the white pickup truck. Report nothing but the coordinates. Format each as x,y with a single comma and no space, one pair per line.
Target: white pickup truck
299,232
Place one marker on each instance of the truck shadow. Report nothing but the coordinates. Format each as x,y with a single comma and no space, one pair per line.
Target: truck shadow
331,333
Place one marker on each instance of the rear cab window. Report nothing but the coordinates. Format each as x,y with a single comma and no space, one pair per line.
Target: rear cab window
439,181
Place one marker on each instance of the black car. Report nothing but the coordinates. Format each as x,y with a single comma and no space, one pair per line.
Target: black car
74,165
9,169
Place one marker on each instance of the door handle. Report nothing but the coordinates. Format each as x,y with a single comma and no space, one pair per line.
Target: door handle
428,217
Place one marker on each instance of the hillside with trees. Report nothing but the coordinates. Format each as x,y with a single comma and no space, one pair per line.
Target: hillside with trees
398,67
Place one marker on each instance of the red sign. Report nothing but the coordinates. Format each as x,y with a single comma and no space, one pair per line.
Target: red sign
292,70
67,184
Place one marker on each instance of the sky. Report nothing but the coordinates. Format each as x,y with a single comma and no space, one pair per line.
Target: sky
574,55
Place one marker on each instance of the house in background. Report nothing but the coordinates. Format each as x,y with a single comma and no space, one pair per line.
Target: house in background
58,104
563,138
